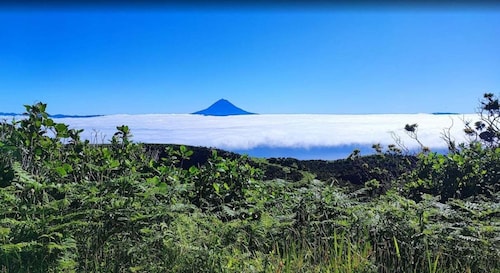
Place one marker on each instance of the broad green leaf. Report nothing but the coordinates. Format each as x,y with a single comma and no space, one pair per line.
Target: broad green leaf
216,187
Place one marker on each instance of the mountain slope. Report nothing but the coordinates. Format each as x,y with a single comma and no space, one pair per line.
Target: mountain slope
53,116
222,107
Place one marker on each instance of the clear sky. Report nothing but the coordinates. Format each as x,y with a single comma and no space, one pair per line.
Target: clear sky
264,60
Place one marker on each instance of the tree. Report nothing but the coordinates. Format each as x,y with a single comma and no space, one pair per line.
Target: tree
487,129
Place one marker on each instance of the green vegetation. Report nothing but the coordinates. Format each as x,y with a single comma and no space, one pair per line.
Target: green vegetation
68,205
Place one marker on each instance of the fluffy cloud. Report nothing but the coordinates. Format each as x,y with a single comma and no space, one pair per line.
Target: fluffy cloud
289,131
282,135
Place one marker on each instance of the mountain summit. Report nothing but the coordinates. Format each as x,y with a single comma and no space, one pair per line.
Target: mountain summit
222,107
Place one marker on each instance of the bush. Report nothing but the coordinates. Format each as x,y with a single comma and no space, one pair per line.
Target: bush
469,169
70,206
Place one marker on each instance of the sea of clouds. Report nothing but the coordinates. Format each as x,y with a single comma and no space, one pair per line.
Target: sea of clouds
277,134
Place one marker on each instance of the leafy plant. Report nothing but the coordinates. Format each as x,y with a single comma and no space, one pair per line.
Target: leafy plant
67,205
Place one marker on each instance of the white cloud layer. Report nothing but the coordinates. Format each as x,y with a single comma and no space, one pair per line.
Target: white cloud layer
290,131
300,131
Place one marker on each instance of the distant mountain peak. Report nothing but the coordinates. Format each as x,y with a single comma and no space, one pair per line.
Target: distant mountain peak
222,107
53,116
445,113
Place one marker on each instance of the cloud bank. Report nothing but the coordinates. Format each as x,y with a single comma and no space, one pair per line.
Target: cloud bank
300,131
294,131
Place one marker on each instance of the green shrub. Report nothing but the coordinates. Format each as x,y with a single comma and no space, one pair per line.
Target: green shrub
469,169
67,205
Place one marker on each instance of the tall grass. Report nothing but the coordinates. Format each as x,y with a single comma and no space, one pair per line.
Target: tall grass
78,207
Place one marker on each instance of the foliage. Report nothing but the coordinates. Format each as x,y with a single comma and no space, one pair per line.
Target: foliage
472,171
469,169
68,205
351,173
486,130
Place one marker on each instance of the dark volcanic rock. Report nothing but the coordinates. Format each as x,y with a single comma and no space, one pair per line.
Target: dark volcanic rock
222,108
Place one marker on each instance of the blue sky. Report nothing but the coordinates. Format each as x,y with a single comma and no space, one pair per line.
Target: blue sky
317,61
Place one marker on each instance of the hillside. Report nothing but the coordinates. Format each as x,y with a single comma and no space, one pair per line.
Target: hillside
68,205
349,173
